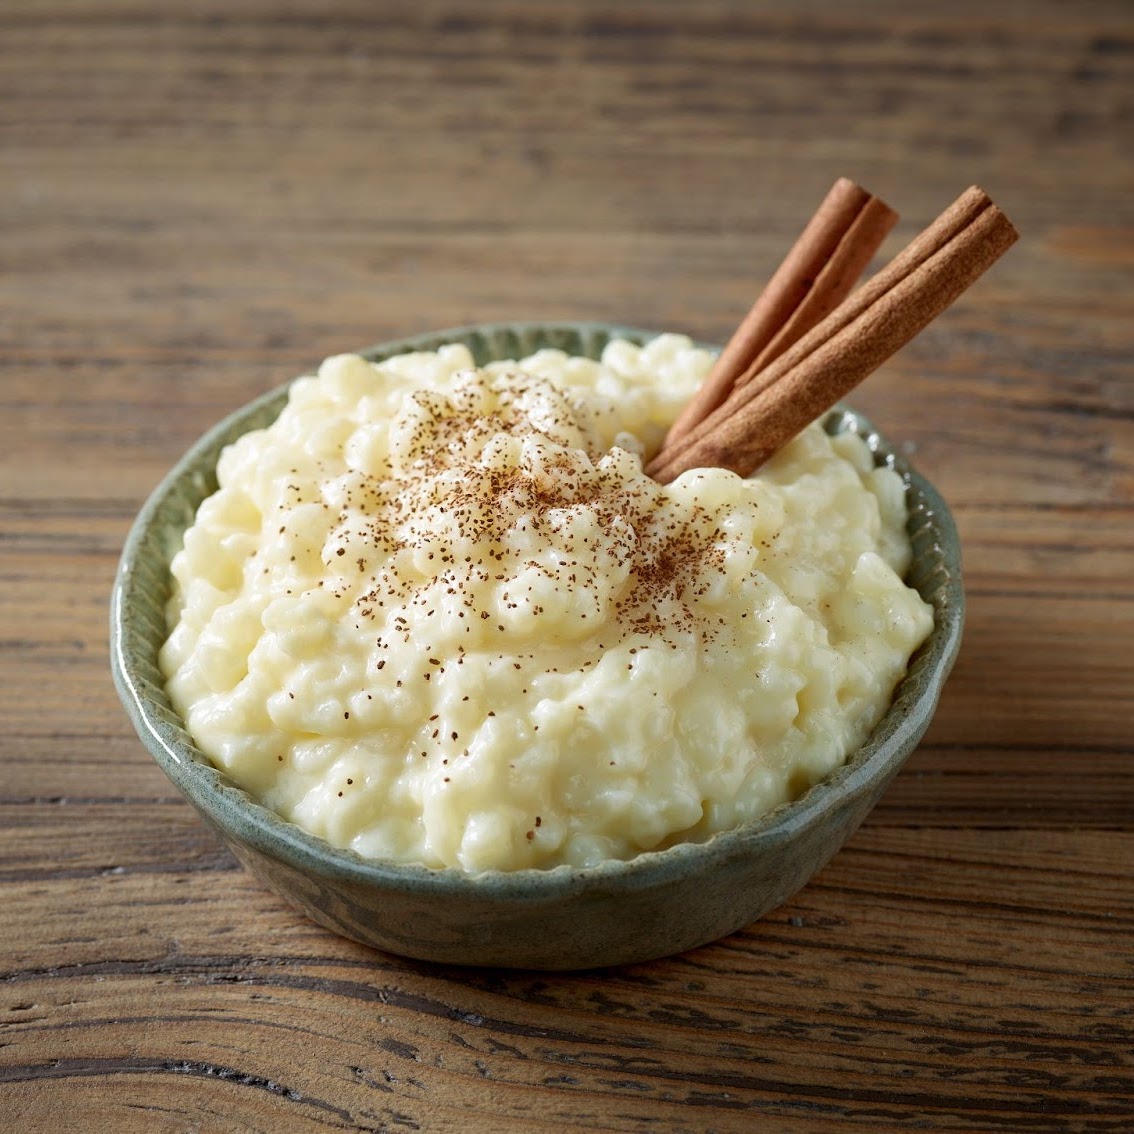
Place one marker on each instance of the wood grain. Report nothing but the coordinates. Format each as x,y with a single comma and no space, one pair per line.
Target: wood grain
199,201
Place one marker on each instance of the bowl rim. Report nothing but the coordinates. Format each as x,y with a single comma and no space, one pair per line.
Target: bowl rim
242,817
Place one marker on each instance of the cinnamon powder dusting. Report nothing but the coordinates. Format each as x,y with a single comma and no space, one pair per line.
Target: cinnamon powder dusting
471,489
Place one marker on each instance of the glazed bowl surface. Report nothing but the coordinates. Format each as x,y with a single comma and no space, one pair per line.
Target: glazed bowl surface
618,912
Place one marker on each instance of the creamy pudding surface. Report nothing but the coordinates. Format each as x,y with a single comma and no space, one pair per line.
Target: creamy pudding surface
439,614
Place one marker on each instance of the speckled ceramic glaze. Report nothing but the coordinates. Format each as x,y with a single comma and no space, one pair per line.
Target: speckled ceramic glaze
618,912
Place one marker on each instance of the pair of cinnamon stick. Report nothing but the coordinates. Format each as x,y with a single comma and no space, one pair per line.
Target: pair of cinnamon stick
804,345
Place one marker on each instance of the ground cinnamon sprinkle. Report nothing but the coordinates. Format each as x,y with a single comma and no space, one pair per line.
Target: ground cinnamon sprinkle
445,477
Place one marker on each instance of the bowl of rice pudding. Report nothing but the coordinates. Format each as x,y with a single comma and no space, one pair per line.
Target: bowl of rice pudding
417,636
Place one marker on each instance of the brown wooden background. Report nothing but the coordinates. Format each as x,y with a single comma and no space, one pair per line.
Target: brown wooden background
198,201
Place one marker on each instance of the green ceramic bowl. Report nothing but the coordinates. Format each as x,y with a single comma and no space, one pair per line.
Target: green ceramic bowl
654,905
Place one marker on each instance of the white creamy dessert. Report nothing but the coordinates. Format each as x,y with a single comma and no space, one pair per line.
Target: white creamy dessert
439,614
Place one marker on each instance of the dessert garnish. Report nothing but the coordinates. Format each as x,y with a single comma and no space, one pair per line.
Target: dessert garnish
806,343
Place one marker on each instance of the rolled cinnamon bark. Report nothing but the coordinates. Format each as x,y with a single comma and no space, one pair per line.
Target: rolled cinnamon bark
814,278
852,342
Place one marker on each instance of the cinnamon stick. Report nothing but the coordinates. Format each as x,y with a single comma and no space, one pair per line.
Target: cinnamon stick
856,338
815,276
834,283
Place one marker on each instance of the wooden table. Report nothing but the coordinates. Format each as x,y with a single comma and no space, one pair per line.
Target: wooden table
199,201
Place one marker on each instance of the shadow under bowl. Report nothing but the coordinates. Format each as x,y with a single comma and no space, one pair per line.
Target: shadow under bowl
654,905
